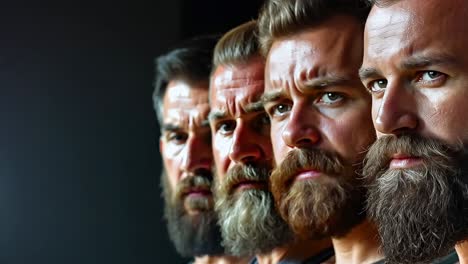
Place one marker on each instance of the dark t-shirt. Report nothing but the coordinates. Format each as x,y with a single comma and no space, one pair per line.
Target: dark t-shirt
316,259
451,258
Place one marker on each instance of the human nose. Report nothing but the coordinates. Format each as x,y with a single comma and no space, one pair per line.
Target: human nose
198,155
301,130
396,112
244,148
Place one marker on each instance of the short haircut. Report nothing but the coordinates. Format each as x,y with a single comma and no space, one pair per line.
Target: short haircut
383,3
280,18
237,46
191,61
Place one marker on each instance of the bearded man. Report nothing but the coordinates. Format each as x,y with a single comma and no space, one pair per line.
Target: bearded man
416,67
243,156
181,104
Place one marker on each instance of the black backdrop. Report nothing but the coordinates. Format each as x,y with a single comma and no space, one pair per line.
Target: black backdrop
79,165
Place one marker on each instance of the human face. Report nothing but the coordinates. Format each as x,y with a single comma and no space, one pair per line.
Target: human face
186,139
240,128
242,149
415,66
316,103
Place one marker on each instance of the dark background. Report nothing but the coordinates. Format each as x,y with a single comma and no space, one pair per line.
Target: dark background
79,164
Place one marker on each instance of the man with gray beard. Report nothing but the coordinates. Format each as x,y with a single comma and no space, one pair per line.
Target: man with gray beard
416,67
181,104
243,157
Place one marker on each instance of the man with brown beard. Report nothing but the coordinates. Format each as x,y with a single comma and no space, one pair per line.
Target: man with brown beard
243,158
181,104
320,118
416,67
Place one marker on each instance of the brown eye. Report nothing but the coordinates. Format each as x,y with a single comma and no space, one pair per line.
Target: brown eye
378,85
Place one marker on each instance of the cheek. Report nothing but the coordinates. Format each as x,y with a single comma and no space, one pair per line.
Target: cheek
221,149
352,135
280,149
171,166
446,119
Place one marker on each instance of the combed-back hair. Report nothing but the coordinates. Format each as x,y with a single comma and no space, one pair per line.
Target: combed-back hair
190,61
280,18
237,46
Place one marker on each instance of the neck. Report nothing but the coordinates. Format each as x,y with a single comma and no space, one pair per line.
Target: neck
298,250
360,245
221,259
462,252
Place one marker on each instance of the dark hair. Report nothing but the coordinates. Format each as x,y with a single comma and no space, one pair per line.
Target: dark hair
190,61
238,45
279,18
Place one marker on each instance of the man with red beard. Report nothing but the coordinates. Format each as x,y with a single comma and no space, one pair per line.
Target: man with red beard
320,118
181,104
416,67
242,150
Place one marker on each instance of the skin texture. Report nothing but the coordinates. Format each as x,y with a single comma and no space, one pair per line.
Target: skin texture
186,139
315,101
241,139
416,66
240,127
305,111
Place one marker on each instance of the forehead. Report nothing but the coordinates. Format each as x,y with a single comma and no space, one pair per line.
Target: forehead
183,99
234,86
331,48
414,27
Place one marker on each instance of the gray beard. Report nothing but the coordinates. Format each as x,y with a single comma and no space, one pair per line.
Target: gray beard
249,223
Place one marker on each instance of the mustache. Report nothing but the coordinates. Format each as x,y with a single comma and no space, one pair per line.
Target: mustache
428,150
299,160
241,173
201,181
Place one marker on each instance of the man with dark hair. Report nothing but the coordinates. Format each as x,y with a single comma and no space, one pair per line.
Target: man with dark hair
181,103
243,156
320,118
416,67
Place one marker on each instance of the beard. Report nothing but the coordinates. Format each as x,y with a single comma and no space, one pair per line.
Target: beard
421,212
249,222
192,234
330,205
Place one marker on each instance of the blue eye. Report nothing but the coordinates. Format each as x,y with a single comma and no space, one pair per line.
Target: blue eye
331,98
226,127
280,109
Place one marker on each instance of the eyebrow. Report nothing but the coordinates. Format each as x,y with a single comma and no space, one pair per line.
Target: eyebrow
414,62
367,73
326,81
271,96
250,108
254,107
170,127
216,115
421,61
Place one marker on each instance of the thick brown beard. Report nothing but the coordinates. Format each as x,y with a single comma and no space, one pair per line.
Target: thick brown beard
192,235
328,206
249,222
421,213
